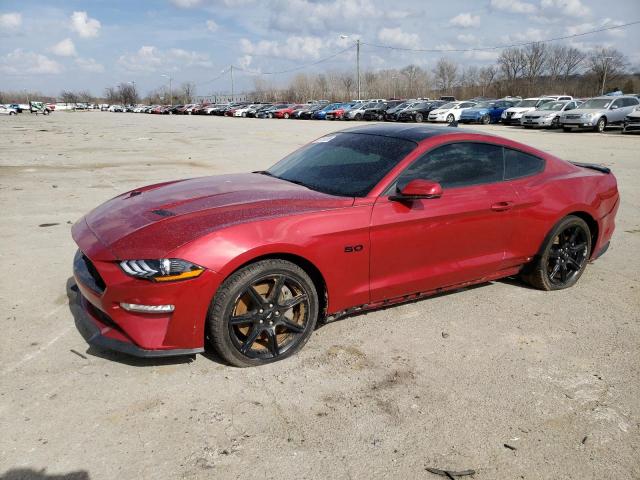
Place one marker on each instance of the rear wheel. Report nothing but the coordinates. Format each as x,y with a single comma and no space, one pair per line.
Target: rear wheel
564,256
263,313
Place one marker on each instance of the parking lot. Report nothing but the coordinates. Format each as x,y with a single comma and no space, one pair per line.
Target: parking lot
500,378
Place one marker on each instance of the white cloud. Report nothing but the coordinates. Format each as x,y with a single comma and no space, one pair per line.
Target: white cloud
295,48
513,6
467,38
89,65
482,55
10,21
84,26
465,20
589,26
244,61
570,8
398,37
150,59
64,48
212,26
20,62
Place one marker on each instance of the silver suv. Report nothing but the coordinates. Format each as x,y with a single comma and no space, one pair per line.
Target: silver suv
599,112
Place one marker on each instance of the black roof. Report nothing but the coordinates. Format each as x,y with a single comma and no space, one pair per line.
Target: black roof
415,133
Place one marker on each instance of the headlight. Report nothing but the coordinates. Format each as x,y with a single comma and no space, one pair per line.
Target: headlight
504,114
551,115
162,270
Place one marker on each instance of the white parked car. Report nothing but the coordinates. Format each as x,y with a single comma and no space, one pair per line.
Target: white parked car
5,110
356,112
514,114
242,112
548,114
449,112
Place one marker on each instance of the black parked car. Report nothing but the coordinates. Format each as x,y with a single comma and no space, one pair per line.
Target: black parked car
307,112
391,115
418,113
252,112
378,112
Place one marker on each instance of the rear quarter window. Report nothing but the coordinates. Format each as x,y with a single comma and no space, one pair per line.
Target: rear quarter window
519,164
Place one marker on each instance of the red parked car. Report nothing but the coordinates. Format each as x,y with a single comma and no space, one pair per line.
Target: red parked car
286,112
367,217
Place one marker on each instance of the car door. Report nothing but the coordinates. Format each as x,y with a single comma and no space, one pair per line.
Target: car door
423,245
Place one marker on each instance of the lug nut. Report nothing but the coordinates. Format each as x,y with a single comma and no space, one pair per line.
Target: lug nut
261,321
271,305
277,314
261,311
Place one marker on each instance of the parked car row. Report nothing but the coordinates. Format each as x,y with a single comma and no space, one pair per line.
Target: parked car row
549,111
32,107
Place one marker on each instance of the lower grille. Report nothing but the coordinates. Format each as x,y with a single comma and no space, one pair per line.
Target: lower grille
87,272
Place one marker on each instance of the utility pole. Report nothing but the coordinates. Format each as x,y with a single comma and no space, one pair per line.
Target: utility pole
358,66
231,70
170,90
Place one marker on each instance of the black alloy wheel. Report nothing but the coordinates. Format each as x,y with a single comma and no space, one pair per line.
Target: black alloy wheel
564,257
418,118
263,313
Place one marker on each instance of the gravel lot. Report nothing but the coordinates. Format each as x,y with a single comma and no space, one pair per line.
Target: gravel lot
444,382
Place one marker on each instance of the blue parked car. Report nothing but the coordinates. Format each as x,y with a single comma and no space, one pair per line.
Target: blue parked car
486,112
322,113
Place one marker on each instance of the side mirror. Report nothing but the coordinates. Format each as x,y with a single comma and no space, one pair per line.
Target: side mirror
614,107
418,189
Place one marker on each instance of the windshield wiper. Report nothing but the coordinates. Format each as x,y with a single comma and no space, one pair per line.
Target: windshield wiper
265,172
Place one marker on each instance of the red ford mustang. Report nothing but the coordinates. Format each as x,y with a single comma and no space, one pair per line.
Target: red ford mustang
359,219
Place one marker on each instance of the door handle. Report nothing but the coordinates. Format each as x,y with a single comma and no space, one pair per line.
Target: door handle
502,206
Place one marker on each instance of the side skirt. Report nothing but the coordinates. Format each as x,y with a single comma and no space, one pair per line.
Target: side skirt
420,295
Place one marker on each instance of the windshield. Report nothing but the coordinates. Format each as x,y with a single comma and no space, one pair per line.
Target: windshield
552,106
597,103
485,105
448,106
527,103
344,164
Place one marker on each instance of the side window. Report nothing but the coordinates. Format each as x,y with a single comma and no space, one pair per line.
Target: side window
518,164
458,165
618,103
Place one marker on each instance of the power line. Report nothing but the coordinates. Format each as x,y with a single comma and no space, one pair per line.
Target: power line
499,47
299,67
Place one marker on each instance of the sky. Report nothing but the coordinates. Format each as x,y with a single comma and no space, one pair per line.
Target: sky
48,46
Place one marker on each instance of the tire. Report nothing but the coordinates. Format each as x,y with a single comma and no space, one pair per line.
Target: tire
563,257
566,129
358,117
12,113
286,115
244,115
485,120
555,123
418,118
450,118
270,331
600,126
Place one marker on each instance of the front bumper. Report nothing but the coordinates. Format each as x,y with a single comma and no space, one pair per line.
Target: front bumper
536,122
513,120
103,286
581,122
631,127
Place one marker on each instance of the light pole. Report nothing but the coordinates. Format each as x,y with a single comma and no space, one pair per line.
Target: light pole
170,91
604,76
231,71
395,85
357,62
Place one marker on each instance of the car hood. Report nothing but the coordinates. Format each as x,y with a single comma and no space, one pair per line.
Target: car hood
152,221
584,110
474,111
520,109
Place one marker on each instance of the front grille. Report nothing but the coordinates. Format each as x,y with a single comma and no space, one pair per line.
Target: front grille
87,272
572,117
531,117
509,114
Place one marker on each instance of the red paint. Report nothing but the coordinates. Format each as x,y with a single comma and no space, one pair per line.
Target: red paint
465,236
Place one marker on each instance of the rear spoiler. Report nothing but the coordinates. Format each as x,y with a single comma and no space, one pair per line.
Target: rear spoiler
592,166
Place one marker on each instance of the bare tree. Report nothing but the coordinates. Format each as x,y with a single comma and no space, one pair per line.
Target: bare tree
187,92
111,95
127,93
535,61
486,77
68,96
573,59
512,63
607,62
411,72
446,73
347,83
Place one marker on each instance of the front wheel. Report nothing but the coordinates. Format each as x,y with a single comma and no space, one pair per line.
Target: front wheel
418,118
286,115
450,118
602,123
358,117
263,313
486,120
563,258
